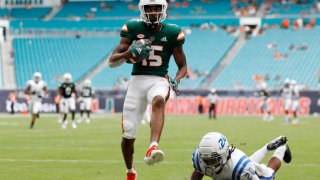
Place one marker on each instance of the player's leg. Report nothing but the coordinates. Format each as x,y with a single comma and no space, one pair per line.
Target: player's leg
287,105
214,111
210,110
281,153
295,108
127,146
272,145
262,109
64,108
157,96
72,107
33,115
268,110
82,109
133,109
35,112
88,104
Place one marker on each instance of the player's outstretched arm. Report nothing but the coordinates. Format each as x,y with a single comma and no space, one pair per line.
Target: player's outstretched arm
196,176
120,53
181,62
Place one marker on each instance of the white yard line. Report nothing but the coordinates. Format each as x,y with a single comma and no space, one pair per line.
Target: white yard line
116,162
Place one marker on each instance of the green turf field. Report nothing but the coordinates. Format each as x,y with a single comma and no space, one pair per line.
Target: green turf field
93,150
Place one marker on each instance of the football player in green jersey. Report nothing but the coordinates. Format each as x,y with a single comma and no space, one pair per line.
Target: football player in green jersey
68,93
148,44
86,94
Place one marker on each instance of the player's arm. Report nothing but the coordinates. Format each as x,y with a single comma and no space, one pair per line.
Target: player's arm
181,62
59,92
120,53
28,90
74,91
45,89
196,175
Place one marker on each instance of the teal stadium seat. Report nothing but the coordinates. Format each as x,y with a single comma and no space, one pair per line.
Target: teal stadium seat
256,58
55,56
33,13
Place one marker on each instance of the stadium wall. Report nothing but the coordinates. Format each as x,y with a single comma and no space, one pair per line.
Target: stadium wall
230,102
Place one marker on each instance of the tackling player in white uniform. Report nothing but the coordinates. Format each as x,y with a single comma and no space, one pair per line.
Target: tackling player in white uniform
68,93
286,94
216,159
295,100
263,94
36,89
86,95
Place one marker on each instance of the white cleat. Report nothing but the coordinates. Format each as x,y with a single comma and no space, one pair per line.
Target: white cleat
88,121
265,118
74,125
59,121
270,118
64,126
296,121
154,155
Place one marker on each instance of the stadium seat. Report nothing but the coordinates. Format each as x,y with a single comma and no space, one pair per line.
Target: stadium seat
55,56
256,58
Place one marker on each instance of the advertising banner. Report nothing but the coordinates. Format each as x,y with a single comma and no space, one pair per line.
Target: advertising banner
229,102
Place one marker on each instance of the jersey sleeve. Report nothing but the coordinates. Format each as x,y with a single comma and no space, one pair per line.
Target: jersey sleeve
126,30
180,37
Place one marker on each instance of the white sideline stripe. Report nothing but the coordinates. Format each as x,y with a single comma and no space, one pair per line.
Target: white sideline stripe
118,162
104,148
8,124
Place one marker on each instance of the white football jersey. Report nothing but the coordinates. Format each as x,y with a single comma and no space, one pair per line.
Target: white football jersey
213,98
295,93
37,92
286,92
238,166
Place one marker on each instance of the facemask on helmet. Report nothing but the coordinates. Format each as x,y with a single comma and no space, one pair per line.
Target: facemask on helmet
214,151
37,77
67,78
153,11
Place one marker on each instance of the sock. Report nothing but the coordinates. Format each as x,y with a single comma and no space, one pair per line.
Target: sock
259,155
73,115
31,125
279,153
154,143
130,170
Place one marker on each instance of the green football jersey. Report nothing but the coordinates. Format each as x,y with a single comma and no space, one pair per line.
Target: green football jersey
67,89
163,43
87,91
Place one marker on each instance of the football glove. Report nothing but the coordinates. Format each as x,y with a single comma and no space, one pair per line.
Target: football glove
139,51
173,84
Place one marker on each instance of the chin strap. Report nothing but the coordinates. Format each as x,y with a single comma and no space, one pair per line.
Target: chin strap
230,152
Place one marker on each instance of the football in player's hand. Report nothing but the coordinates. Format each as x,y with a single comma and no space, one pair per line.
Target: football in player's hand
140,50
